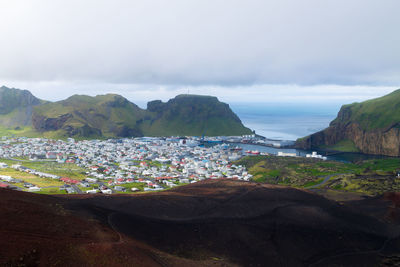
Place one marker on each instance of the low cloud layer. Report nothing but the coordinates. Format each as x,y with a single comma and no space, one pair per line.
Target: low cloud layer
201,42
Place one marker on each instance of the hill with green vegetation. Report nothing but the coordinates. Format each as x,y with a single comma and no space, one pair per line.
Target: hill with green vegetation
16,107
112,115
85,116
368,177
371,127
192,115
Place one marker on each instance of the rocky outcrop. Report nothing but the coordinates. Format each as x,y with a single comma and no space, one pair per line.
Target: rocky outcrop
353,123
42,123
11,98
379,142
192,115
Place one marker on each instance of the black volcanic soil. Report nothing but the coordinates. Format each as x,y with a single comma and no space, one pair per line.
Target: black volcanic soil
216,222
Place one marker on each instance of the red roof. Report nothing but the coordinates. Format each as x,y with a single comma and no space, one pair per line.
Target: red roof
69,180
4,185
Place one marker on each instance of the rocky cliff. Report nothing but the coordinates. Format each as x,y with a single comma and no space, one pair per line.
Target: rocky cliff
85,116
192,115
371,127
16,107
114,116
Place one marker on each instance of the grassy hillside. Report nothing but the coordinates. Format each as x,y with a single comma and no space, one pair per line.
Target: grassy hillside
105,115
16,107
372,114
368,177
114,116
192,115
371,127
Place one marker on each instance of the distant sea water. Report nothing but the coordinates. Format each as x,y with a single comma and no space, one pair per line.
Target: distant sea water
289,122
285,121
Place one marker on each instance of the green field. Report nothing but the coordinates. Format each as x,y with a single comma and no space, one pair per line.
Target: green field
30,178
129,186
369,177
60,169
344,146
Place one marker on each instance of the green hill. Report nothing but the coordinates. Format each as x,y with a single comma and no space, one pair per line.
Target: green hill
85,116
114,116
371,127
378,113
192,115
16,107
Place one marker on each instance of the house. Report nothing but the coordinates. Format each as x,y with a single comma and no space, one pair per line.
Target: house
107,191
119,188
3,165
94,191
70,190
69,180
91,180
3,185
27,185
34,189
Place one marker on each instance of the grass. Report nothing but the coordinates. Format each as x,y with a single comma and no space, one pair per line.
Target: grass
343,146
377,113
370,177
312,183
30,178
60,169
51,191
129,186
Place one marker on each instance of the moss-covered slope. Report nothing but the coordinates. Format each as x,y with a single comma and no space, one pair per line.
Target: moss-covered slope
16,107
371,127
114,116
192,115
85,116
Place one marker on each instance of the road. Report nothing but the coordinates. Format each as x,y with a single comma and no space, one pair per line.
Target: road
326,179
76,189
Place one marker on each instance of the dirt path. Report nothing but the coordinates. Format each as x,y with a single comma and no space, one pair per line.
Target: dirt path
112,225
326,179
353,253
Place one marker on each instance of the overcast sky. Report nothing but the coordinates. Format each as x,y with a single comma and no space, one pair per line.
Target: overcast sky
254,51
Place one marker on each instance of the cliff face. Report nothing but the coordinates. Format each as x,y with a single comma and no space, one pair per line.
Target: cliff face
372,126
16,107
192,115
84,116
114,116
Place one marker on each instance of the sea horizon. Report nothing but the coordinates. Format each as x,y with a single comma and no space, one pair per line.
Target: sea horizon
286,121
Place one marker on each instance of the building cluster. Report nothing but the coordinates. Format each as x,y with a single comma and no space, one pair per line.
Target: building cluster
158,163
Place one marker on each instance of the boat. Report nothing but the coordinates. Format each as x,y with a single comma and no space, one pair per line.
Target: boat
236,148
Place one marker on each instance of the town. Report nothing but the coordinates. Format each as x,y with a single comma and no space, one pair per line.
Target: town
113,166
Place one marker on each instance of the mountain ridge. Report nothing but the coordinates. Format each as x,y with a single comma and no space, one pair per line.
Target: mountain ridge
112,115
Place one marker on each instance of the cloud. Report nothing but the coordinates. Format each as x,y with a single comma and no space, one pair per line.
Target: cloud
200,43
140,94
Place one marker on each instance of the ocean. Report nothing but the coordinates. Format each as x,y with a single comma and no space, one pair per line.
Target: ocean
285,121
289,122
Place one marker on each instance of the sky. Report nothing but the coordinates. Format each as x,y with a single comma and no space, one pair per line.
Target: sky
241,51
